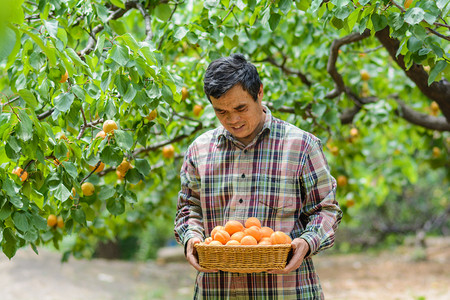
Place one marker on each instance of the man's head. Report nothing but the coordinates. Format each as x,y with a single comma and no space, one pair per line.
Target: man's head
226,72
235,91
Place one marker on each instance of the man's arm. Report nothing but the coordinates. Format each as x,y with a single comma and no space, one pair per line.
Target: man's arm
320,208
189,218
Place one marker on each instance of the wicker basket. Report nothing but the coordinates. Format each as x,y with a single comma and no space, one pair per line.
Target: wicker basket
243,259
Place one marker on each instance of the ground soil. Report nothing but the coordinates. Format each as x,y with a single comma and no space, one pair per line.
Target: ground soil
401,273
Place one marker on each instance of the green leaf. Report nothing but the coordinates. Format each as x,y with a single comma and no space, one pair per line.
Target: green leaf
21,221
134,176
115,206
52,27
63,102
143,166
379,22
180,33
119,54
106,193
274,20
414,15
25,126
79,216
230,43
61,192
29,98
118,3
438,68
163,12
9,245
130,94
124,140
210,4
51,55
70,169
285,6
111,155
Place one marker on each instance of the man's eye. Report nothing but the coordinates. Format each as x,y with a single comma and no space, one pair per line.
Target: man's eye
221,112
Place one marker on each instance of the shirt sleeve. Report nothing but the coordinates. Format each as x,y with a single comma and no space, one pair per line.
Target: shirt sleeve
320,211
189,218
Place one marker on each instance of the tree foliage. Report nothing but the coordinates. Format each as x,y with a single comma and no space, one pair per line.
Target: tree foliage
370,78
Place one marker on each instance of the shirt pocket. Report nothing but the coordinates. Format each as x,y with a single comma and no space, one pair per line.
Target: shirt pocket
278,192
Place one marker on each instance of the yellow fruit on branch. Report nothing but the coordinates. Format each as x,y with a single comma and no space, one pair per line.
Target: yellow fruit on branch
342,180
64,77
354,132
21,173
168,151
87,188
364,75
436,152
100,167
109,126
74,192
407,3
124,167
152,115
197,110
60,222
101,134
52,220
434,108
184,93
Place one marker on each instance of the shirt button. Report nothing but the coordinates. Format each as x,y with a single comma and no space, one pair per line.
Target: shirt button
240,200
243,176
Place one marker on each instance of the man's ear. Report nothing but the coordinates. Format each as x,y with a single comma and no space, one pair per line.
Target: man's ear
260,93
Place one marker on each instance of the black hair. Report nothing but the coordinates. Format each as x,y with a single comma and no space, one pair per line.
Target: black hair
224,73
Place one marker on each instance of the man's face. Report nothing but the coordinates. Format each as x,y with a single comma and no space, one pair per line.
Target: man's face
239,113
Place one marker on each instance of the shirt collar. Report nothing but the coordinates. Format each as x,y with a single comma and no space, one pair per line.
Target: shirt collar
224,135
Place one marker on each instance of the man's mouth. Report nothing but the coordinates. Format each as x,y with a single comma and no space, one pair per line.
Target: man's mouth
237,127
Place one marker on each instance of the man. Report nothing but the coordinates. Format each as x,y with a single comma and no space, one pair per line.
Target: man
255,165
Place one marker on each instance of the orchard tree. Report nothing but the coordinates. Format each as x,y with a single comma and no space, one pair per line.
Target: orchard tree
100,99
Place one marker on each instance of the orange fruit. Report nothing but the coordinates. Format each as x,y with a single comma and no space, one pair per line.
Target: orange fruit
184,93
342,180
74,192
17,171
237,236
124,167
213,232
254,231
266,231
60,222
197,110
265,241
407,3
252,221
168,151
64,77
208,240
99,169
364,75
109,126
51,220
249,240
24,176
232,242
101,134
279,237
233,227
152,115
215,243
88,189
120,176
222,236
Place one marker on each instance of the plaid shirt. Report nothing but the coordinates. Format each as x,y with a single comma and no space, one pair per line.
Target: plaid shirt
282,178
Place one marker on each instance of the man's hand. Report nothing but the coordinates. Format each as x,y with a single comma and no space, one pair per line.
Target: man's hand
300,248
191,255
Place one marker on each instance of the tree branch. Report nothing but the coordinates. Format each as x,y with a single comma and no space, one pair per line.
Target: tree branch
421,119
438,91
286,70
331,66
148,22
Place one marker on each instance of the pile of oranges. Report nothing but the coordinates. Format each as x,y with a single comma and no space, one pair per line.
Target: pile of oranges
235,233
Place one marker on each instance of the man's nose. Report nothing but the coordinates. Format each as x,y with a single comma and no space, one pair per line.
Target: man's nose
233,118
